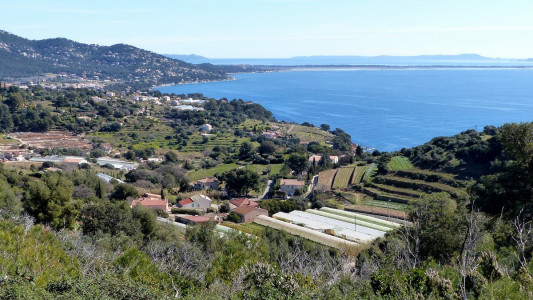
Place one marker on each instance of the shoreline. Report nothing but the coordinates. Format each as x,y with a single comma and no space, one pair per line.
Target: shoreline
318,68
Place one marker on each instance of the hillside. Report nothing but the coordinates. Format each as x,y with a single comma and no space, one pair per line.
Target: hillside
22,58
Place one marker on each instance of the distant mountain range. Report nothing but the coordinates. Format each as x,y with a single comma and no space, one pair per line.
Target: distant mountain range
131,66
422,60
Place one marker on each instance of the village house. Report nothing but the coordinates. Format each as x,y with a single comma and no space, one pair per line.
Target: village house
240,202
188,219
317,158
152,201
290,186
197,202
206,127
206,183
249,213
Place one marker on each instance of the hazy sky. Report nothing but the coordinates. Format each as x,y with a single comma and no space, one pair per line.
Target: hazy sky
283,28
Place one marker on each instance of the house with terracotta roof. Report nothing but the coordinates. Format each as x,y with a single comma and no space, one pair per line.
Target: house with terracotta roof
315,159
290,186
206,183
152,201
249,213
188,219
197,202
238,202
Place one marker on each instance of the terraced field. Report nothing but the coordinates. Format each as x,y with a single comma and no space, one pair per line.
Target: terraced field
325,179
405,186
398,163
381,195
396,190
415,184
342,179
358,174
370,172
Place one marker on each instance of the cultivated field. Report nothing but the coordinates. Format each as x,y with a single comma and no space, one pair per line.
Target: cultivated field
358,174
325,179
400,163
51,139
342,179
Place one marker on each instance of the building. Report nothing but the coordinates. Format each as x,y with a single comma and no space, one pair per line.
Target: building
73,161
249,213
290,186
188,219
206,127
239,202
110,94
206,183
198,202
315,159
116,163
151,201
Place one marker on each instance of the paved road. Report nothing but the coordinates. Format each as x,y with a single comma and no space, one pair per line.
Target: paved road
270,183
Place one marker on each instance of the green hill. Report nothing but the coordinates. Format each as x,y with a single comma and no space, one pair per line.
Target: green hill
21,58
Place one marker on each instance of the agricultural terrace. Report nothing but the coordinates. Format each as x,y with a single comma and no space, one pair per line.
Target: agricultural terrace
342,178
358,174
325,179
398,163
305,133
370,172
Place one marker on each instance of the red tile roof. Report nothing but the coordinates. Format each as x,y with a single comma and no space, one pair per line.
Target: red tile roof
243,202
244,210
154,203
185,201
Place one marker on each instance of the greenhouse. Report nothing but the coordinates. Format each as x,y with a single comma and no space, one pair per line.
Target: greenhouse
352,220
339,231
307,233
362,217
358,228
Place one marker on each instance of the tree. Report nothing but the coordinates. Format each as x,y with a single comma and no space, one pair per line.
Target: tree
246,151
267,147
171,157
10,206
123,191
50,201
100,190
239,182
325,127
359,151
6,121
15,101
297,162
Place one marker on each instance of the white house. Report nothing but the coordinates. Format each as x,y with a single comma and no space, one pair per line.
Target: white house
290,186
206,127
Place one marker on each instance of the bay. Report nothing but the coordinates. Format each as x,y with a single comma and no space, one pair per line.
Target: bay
385,109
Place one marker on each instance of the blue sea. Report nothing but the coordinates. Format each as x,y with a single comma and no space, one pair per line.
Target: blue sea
385,109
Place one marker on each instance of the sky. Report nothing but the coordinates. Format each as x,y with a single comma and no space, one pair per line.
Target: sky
283,28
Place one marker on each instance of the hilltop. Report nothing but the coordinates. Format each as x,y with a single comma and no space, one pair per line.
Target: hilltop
121,64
